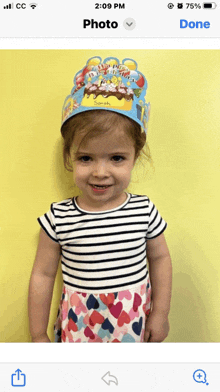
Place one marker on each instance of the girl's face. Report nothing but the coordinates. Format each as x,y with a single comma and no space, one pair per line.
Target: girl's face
102,168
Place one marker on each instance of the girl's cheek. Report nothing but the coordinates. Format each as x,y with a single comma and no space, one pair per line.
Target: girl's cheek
80,172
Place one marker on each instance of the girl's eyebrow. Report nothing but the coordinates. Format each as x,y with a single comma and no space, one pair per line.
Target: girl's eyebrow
120,153
112,153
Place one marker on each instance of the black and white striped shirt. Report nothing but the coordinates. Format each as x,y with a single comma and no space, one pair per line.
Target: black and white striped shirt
103,251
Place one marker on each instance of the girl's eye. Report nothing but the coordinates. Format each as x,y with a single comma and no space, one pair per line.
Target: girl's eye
84,158
87,158
117,158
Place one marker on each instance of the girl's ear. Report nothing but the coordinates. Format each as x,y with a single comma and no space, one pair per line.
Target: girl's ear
69,161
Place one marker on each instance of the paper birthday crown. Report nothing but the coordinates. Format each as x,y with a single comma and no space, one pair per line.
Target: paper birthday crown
109,85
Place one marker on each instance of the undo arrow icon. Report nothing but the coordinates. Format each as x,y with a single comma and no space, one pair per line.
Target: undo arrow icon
109,378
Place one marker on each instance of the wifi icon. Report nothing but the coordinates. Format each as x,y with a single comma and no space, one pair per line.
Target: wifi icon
33,5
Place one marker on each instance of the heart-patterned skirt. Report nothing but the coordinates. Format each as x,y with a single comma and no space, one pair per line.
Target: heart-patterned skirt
114,317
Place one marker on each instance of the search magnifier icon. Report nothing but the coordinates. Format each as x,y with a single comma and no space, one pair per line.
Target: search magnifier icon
200,376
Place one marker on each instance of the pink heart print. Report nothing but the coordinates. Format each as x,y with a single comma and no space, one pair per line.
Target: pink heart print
107,299
72,326
74,300
64,310
119,330
83,294
89,334
123,319
97,339
115,310
86,319
124,294
80,308
68,335
143,289
96,318
137,301
133,314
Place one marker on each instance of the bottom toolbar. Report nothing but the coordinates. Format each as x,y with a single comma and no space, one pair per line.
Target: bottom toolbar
154,377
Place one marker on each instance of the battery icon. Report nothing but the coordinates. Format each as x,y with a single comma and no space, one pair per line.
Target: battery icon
209,5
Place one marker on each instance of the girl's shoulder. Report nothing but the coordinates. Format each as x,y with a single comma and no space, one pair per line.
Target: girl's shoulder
137,198
143,200
63,205
66,202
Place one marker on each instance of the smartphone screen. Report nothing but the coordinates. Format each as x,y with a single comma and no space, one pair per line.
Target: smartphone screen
109,195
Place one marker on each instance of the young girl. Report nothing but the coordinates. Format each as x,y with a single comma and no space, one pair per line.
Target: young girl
105,235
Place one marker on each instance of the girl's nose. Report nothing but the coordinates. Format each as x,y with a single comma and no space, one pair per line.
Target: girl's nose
100,170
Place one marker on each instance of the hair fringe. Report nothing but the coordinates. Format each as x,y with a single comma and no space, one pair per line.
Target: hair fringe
94,122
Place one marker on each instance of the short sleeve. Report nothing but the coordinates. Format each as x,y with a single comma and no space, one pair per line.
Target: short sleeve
47,222
156,223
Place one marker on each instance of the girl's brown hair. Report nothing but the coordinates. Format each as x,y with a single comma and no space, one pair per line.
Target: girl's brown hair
94,122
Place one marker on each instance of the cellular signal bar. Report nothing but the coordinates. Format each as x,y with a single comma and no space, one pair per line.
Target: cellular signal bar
9,6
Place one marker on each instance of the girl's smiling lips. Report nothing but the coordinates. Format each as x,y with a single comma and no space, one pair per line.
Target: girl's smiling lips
100,184
99,188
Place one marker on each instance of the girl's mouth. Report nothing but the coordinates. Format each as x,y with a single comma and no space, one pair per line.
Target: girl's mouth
99,188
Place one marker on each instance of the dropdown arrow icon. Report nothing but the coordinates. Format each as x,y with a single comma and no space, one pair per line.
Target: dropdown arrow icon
129,24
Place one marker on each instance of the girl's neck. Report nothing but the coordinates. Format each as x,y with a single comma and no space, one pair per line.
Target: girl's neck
85,205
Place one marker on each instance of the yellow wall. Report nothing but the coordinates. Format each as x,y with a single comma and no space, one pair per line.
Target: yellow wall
184,137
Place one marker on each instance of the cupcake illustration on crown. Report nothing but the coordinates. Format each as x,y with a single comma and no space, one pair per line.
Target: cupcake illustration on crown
109,85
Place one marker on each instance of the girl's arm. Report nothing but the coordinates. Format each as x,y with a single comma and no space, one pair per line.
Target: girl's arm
157,325
41,286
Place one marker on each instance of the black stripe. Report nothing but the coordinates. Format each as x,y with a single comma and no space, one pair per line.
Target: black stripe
52,210
50,224
159,232
101,251
106,212
103,235
139,201
67,209
104,278
156,215
104,269
96,219
155,228
100,227
106,243
107,287
103,260
136,208
67,203
152,209
43,227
